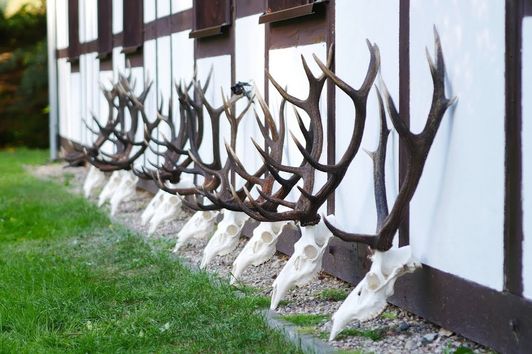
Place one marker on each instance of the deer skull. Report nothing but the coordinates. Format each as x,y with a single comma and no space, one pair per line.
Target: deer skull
110,187
305,262
167,209
95,179
125,190
150,210
259,249
199,226
368,299
226,237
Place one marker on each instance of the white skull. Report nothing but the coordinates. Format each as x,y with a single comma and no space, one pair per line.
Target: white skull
94,180
148,213
226,237
199,226
368,299
260,247
166,210
110,187
305,262
126,189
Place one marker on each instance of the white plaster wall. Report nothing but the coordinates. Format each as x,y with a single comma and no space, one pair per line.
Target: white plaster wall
181,5
249,67
74,108
83,98
527,155
106,80
457,212
150,105
150,10
61,7
118,16
356,21
163,8
63,80
221,78
182,66
286,68
164,78
137,74
88,18
119,63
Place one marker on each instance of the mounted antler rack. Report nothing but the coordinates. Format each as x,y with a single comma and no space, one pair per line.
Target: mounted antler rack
126,147
417,146
305,209
175,157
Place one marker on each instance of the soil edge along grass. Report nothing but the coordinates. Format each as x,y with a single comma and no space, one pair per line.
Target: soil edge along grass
70,281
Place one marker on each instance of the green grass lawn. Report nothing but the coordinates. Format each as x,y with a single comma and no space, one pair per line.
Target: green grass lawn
72,282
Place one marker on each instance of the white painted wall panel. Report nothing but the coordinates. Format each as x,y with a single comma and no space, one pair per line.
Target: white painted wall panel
83,95
249,66
150,10
181,5
287,70
221,78
357,21
119,63
61,23
118,16
182,66
182,57
63,81
163,8
457,212
164,83
150,74
74,108
527,155
91,8
137,74
106,80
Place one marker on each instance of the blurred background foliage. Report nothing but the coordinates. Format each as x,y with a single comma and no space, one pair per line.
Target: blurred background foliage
23,74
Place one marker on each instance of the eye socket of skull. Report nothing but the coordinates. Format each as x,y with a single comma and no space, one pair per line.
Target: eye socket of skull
310,252
373,281
266,237
321,240
231,230
205,215
174,199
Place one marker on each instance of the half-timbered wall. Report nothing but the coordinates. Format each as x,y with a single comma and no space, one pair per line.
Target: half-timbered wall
466,222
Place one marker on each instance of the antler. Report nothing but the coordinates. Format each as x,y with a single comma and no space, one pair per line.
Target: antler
418,147
125,139
305,209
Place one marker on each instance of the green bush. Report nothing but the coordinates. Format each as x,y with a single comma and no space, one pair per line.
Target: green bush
24,78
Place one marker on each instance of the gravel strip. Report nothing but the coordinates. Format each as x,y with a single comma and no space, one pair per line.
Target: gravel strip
396,331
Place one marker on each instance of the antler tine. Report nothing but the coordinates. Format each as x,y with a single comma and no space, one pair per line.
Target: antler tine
379,162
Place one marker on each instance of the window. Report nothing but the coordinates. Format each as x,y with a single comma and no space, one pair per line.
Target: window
73,30
105,30
282,10
133,26
211,17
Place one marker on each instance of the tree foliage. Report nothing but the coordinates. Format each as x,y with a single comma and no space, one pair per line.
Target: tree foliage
24,77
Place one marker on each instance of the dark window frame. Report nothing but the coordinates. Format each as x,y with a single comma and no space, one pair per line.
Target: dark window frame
211,18
283,10
105,28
